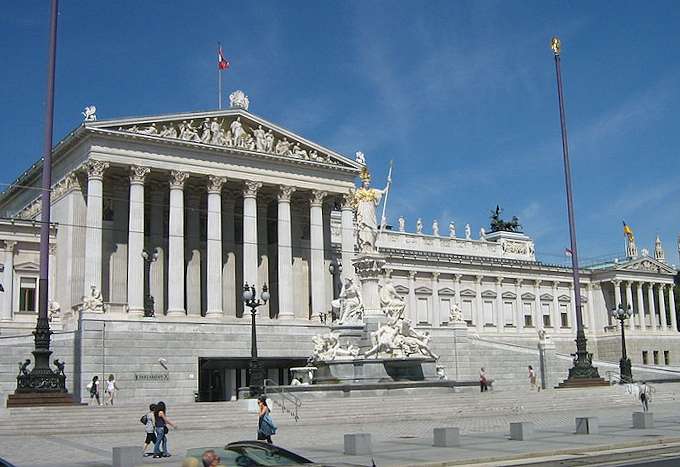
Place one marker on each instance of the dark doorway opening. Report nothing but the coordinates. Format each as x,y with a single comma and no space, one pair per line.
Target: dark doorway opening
219,377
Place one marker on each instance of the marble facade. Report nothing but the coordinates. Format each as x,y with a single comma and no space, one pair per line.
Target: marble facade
224,198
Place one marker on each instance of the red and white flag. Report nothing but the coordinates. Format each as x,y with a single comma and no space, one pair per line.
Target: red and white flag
222,63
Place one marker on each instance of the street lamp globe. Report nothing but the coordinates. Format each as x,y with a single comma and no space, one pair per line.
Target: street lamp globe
265,293
247,293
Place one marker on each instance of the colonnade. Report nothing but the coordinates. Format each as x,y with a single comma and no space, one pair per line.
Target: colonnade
176,252
655,301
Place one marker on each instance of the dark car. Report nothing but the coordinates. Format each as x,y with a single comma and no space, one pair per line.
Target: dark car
252,453
4,463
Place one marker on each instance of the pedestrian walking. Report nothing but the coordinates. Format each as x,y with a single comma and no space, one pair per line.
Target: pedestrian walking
110,391
483,380
533,381
265,425
162,422
150,429
93,386
645,393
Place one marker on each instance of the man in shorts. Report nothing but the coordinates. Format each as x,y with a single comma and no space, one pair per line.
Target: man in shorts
150,429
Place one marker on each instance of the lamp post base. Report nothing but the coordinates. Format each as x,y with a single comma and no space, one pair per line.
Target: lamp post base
626,370
583,373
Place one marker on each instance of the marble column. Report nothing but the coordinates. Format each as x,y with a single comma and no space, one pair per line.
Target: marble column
157,246
176,244
192,246
538,312
500,311
317,267
480,319
214,307
250,233
7,311
93,234
589,306
650,304
263,249
436,311
347,235
629,303
458,299
640,306
671,306
412,303
52,273
135,283
229,249
519,312
662,308
617,293
555,312
285,253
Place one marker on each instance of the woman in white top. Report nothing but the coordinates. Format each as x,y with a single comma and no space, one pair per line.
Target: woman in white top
111,389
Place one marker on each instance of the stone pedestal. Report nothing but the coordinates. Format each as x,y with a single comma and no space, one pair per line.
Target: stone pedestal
352,334
369,270
375,370
547,361
587,425
446,437
521,431
126,456
357,444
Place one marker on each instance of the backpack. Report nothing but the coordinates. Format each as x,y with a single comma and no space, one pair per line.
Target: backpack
144,420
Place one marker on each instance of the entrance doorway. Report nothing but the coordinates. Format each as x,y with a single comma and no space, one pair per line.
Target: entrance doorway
219,378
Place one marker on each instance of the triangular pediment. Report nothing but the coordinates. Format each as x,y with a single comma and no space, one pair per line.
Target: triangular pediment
401,289
528,296
468,293
27,266
446,291
646,264
233,130
564,298
423,290
509,295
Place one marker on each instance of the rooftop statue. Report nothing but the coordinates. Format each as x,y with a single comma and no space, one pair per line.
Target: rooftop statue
499,225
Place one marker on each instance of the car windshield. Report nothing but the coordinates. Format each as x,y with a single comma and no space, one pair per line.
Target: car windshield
262,455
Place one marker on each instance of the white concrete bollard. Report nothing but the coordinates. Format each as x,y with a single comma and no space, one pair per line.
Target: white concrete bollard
446,437
357,444
587,425
521,431
127,456
643,420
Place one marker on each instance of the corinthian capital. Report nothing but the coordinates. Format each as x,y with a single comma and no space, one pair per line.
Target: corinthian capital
95,169
215,183
348,200
177,179
285,192
250,189
138,174
317,197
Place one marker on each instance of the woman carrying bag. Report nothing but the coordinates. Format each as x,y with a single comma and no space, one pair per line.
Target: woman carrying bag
265,425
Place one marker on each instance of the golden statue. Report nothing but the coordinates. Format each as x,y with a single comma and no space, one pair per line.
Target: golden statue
366,200
555,45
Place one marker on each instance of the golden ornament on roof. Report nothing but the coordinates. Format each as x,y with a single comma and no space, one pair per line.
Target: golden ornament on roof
555,45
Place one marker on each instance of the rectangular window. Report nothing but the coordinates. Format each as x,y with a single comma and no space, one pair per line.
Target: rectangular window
422,311
564,316
508,312
528,318
545,308
444,309
467,311
488,313
645,357
666,357
656,357
27,294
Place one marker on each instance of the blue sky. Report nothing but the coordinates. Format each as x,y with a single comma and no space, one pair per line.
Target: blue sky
461,95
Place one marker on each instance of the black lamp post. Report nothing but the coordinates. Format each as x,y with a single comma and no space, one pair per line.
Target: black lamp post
148,298
256,370
622,314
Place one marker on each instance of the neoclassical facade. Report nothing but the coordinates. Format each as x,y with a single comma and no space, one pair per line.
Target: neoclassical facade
164,219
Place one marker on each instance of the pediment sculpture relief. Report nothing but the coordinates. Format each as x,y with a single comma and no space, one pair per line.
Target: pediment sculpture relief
645,265
231,132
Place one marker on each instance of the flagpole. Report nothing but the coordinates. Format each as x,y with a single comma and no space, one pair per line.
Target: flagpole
219,80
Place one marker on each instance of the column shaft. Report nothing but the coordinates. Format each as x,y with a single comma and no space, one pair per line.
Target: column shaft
316,243
135,283
519,312
436,311
347,237
157,268
250,233
176,245
480,319
412,303
538,312
629,303
192,245
650,306
214,284
671,306
500,307
7,311
640,306
263,251
93,233
229,267
285,254
662,309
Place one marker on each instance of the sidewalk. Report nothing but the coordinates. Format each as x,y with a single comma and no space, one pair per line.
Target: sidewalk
405,442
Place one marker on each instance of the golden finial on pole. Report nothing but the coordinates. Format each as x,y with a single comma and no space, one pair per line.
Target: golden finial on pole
555,45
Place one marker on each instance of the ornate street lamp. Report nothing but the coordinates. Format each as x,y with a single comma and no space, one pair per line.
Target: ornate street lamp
148,298
622,314
256,370
583,369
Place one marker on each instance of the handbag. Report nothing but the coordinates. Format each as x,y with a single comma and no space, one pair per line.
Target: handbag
165,430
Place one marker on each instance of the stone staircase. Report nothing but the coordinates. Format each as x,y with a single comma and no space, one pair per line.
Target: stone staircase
355,409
